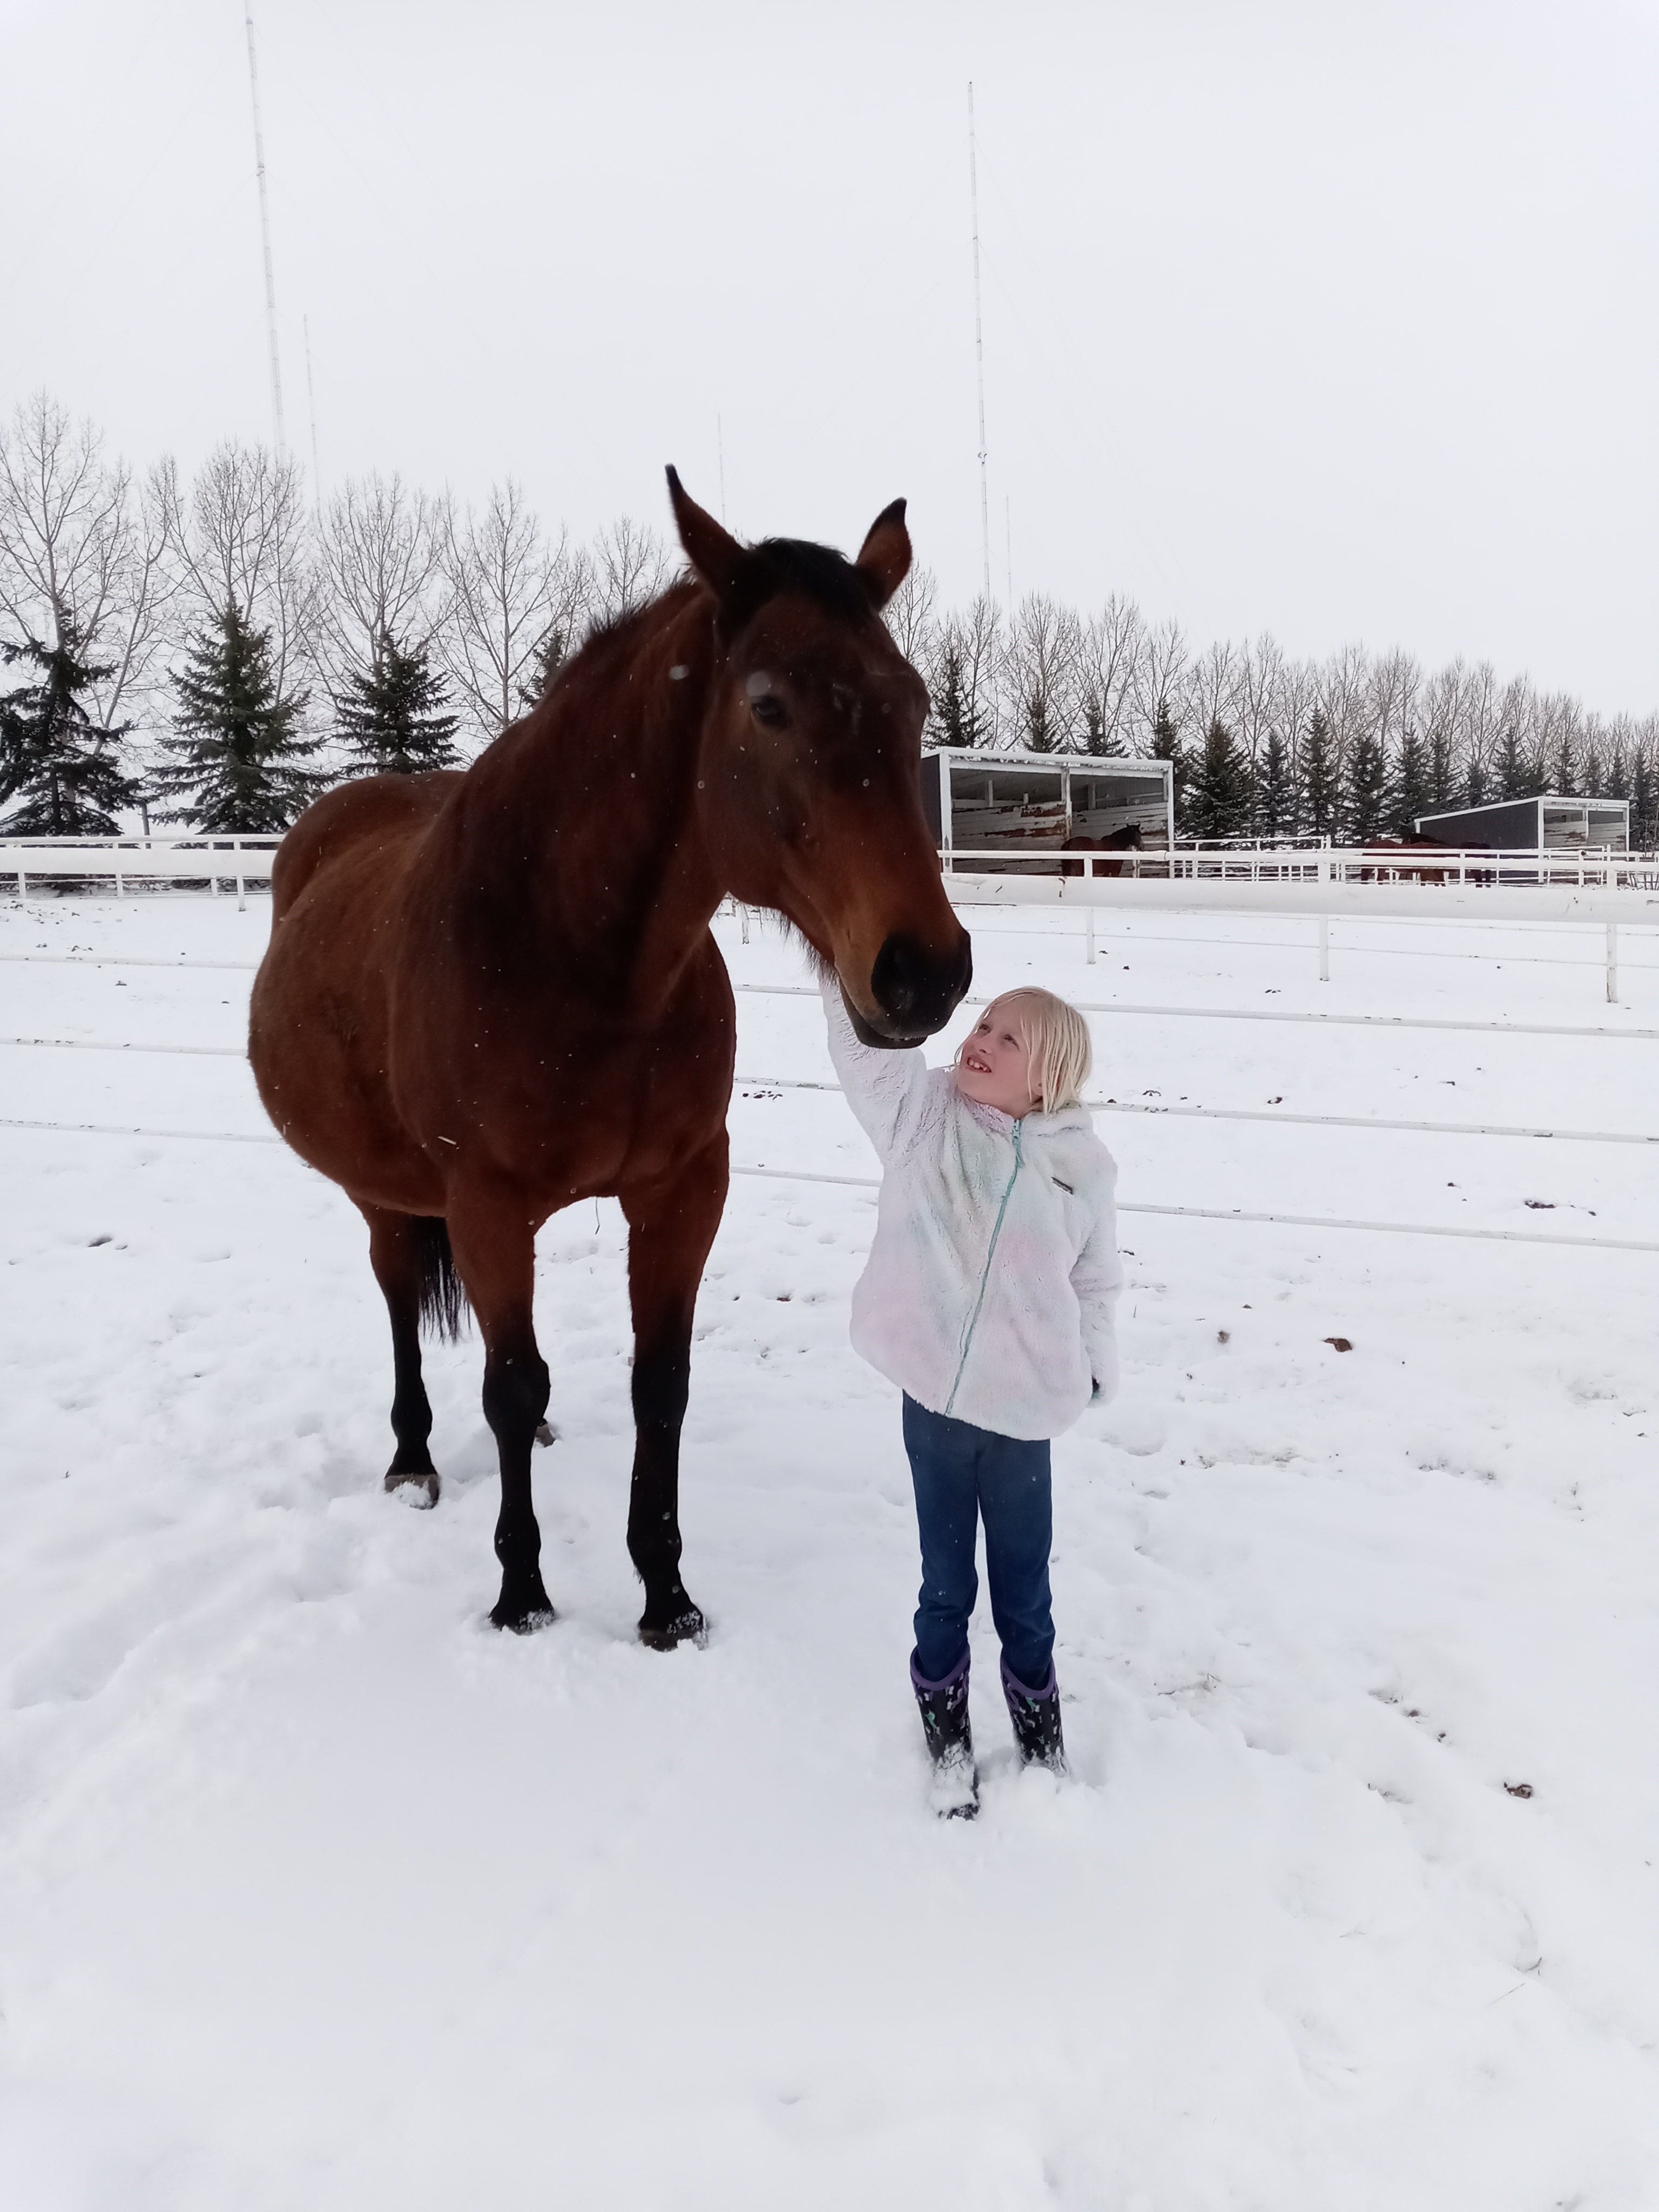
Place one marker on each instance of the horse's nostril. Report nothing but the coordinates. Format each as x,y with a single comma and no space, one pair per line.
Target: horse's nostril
917,988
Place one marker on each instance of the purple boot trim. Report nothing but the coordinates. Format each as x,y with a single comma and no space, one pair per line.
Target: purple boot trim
924,1688
1013,1687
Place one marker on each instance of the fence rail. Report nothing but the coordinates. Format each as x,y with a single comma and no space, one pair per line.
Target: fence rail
211,860
1482,866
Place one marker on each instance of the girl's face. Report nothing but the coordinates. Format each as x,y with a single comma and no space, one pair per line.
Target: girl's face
993,1068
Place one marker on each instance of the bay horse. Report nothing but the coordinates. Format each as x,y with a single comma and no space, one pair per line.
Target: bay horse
489,994
1119,841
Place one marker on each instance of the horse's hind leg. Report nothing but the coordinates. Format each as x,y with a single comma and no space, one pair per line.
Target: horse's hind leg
395,1243
670,1228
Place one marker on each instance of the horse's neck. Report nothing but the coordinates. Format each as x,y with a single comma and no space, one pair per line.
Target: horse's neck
613,871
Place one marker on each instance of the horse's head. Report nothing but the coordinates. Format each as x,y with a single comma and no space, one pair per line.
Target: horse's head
809,771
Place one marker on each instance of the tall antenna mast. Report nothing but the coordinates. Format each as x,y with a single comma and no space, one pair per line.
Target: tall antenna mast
311,394
264,227
979,344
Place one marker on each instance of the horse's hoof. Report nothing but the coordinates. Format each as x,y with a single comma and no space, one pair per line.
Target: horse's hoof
524,1616
546,1433
687,1627
417,1489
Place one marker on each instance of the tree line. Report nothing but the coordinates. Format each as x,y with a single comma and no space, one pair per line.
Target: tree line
210,655
1263,744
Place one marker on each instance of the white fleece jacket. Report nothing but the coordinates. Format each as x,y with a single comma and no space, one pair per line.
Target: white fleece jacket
992,1285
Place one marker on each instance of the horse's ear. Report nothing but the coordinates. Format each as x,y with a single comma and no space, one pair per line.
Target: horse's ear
884,559
715,556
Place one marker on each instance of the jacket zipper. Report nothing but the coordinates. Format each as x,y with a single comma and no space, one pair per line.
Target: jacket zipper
985,1278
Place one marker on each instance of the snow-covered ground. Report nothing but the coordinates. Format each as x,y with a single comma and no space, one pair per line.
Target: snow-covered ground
315,1891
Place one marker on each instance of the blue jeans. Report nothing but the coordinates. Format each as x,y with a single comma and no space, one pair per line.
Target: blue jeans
962,1474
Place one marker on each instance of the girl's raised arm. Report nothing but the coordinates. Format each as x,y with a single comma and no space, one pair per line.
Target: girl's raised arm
890,1092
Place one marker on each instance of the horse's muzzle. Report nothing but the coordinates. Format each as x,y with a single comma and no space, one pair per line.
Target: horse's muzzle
916,991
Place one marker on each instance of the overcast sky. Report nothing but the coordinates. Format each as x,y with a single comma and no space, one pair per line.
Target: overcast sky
1339,320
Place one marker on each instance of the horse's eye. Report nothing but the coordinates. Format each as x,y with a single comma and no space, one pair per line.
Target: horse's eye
768,710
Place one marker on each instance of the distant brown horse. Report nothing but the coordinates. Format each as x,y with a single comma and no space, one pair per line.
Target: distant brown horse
488,995
1120,841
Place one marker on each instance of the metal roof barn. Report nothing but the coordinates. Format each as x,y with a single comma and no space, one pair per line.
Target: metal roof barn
977,801
1545,823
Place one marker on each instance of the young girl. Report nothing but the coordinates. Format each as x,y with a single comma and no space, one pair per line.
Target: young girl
988,1297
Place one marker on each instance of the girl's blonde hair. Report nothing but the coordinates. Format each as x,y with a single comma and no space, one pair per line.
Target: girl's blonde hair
1057,1039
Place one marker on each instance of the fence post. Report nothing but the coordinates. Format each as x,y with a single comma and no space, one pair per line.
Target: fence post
1324,948
22,883
745,911
241,895
1613,964
1088,910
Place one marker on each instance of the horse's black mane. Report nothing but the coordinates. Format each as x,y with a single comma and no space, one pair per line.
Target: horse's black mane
795,564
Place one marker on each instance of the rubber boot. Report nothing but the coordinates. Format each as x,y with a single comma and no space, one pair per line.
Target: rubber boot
954,1792
1036,1716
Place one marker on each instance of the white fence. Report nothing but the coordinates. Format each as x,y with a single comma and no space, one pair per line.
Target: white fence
1427,866
211,860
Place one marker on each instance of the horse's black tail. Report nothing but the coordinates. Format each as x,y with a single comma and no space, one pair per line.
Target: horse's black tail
443,1301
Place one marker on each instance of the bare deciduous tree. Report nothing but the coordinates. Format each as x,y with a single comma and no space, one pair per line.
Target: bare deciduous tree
509,596
380,559
243,538
1110,648
80,545
630,566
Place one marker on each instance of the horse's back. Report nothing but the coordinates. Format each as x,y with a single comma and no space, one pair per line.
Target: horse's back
354,820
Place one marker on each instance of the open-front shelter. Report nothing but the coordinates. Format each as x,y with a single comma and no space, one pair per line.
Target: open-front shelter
980,801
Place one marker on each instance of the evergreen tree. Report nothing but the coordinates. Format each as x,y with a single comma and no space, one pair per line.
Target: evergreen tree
1039,722
1275,795
390,713
236,747
1167,746
1410,788
955,713
1475,793
1366,789
1563,774
1644,816
54,758
1516,779
1097,739
1219,793
1318,778
1592,775
547,660
1442,777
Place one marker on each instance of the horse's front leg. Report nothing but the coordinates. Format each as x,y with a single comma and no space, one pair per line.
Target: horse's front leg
495,1249
672,1225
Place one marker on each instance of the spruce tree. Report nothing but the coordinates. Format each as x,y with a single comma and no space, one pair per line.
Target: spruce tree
236,748
1097,739
1366,789
1039,722
1474,789
1318,778
953,711
1443,778
545,663
1410,788
1643,825
63,767
1219,791
1275,797
1562,776
1167,746
390,713
1516,779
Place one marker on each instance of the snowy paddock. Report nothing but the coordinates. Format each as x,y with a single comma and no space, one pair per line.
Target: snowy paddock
314,1890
